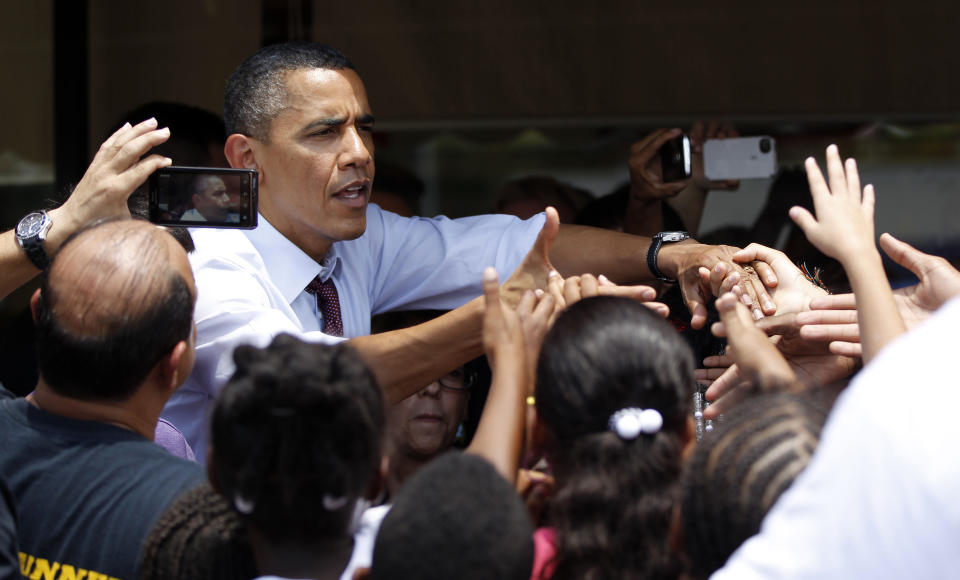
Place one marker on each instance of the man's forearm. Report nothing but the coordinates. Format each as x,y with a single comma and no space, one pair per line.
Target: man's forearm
620,257
404,361
17,269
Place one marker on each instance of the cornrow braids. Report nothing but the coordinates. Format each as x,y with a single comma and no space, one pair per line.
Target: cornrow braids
615,495
296,436
198,537
740,470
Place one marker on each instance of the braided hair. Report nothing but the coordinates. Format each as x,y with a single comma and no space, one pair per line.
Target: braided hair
615,496
740,469
199,537
296,436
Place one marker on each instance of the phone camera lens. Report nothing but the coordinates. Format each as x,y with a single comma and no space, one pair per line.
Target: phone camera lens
765,145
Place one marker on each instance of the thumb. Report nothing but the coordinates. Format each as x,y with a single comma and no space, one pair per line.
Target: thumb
491,287
803,218
902,253
551,227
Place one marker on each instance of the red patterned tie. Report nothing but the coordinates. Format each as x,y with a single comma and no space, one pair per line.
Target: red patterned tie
328,301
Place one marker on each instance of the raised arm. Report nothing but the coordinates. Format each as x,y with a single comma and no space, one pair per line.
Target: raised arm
843,229
114,173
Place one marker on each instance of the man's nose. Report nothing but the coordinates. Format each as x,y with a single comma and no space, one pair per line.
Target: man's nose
431,390
355,150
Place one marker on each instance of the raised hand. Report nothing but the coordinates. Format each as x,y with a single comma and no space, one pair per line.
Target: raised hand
843,229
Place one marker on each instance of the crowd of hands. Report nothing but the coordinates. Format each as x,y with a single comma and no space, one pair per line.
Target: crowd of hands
781,328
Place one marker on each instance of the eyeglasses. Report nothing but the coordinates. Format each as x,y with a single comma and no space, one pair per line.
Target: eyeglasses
457,380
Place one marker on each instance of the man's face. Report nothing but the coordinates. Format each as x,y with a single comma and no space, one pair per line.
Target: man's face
211,199
316,165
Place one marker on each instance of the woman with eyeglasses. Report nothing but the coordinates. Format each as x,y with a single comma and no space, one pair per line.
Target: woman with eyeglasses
426,424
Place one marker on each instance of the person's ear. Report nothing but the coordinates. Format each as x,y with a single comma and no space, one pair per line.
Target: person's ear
239,152
170,369
689,439
34,303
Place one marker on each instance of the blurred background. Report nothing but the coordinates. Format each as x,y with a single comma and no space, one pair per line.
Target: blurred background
469,95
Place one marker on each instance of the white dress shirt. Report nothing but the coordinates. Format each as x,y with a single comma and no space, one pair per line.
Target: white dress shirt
250,287
879,497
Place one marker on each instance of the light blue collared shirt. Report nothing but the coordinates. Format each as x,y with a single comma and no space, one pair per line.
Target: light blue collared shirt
250,287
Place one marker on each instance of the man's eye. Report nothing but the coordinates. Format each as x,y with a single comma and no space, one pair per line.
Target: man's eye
367,128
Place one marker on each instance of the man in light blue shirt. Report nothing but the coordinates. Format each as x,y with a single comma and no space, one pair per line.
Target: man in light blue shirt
298,114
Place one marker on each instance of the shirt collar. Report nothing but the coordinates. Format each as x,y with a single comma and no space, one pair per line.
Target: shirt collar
289,268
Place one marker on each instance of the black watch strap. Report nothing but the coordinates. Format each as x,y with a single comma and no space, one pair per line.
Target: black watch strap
37,255
656,242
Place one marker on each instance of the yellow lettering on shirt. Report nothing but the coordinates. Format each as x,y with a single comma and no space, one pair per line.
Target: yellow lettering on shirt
42,569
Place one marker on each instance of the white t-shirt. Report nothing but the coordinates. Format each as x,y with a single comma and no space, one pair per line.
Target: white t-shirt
879,498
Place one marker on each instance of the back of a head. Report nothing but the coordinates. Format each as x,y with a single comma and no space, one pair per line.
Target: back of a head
613,504
255,92
296,438
112,304
199,537
455,518
740,469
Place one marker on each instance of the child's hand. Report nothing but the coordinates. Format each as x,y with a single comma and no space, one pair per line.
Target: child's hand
843,226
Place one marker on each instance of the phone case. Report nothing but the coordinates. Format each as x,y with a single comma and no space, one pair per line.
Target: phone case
740,158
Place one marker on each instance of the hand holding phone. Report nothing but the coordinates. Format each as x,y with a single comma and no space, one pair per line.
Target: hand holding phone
204,197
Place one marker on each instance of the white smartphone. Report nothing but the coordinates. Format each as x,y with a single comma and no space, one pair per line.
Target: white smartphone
740,158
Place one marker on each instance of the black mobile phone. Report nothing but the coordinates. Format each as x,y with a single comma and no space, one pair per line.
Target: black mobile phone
675,159
204,197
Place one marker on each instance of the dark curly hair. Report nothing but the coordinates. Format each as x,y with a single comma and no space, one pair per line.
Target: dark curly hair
296,436
198,537
613,505
740,469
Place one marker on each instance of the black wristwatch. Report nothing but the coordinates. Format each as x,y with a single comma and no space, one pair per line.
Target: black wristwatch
31,233
655,244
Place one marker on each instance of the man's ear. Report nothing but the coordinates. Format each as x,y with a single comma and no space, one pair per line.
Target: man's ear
34,302
170,369
239,152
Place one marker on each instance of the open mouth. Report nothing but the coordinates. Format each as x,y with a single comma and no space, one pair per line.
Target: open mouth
357,191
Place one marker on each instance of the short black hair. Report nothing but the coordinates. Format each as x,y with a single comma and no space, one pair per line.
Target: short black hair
613,504
740,469
455,518
255,92
296,436
117,349
199,537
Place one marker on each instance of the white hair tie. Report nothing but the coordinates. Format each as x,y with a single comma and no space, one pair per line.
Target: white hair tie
629,423
243,505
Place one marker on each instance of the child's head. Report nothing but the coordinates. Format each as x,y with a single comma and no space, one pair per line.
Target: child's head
609,371
455,518
296,438
740,469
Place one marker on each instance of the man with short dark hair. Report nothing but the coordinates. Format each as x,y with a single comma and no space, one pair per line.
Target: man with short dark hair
115,338
298,114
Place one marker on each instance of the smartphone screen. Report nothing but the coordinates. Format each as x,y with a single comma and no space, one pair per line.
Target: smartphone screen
675,161
204,197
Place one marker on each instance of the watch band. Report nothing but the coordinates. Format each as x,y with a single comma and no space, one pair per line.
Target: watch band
37,255
654,251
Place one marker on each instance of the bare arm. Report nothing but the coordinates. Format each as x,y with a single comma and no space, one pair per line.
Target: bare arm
407,359
843,229
114,173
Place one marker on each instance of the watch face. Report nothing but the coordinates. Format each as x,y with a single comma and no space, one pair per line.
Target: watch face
30,225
